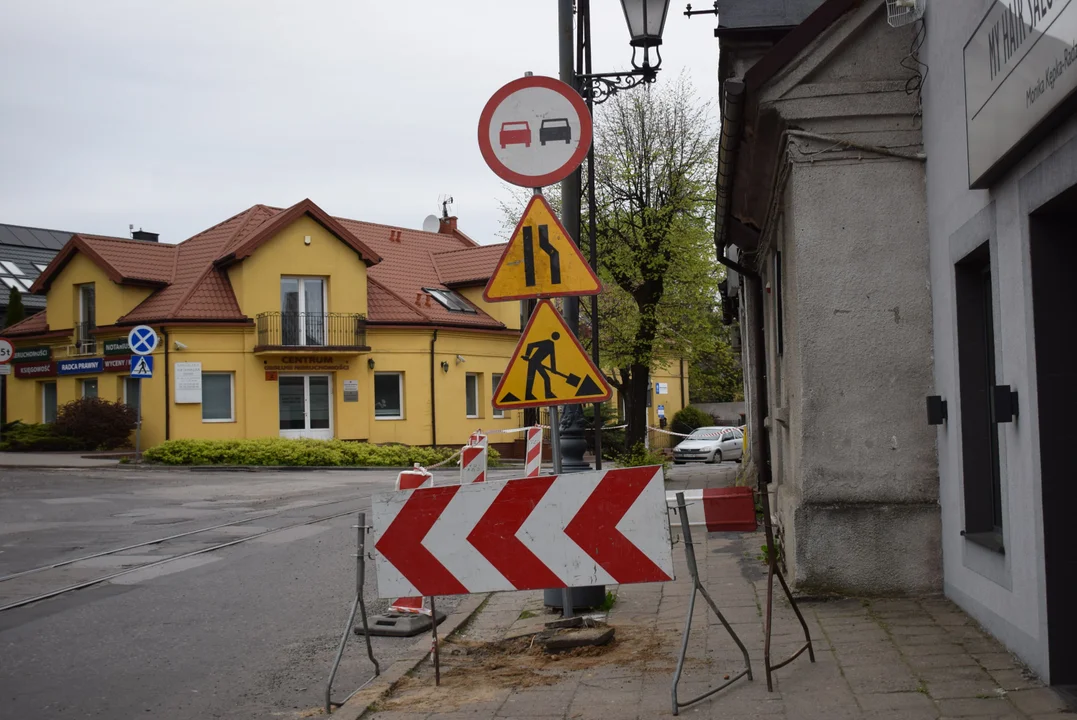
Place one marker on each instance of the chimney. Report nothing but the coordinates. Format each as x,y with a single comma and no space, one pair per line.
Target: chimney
448,225
141,234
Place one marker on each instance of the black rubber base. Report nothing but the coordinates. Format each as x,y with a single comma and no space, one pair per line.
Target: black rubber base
393,624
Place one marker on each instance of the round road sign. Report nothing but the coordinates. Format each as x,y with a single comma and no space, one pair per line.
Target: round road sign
142,340
7,351
534,131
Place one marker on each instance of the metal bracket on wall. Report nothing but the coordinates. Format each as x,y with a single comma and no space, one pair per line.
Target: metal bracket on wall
1005,404
936,410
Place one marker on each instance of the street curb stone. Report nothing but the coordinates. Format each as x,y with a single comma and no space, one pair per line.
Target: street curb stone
362,702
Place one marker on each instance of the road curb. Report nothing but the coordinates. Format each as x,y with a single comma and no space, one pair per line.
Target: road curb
359,705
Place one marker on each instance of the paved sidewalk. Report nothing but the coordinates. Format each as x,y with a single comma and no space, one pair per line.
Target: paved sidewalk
878,659
52,459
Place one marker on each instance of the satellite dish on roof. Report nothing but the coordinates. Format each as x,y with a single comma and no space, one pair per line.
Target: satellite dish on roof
431,224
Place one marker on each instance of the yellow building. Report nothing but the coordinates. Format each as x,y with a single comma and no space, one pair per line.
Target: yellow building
275,322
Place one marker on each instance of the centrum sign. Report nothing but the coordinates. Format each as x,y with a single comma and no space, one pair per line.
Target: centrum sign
1020,65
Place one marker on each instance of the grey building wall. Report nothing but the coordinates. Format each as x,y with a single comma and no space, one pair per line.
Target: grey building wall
854,462
1004,592
763,13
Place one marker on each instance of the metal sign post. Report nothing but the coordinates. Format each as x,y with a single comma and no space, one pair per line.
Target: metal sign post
138,424
555,440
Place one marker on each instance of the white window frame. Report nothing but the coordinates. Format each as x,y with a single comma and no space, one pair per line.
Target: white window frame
231,397
495,380
300,280
82,386
56,410
478,395
400,384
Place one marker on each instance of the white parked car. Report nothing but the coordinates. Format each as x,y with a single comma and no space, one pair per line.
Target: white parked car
710,444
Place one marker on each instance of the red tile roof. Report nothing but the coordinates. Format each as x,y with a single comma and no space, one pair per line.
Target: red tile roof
401,264
467,266
33,325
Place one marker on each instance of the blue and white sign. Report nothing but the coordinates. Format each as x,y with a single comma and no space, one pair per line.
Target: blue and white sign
142,366
80,367
142,339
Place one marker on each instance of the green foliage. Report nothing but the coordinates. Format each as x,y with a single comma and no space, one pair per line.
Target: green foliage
15,309
309,453
100,424
29,437
688,419
608,602
613,441
716,376
640,456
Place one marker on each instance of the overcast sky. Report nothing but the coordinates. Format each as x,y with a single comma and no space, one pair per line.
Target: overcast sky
174,115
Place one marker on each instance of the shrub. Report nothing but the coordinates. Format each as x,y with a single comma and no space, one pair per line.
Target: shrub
640,456
98,423
28,437
288,452
613,441
688,419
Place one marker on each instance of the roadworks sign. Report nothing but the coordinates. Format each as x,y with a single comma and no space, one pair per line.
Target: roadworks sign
540,261
549,367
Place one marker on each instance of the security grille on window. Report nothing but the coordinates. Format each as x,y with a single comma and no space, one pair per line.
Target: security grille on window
218,397
471,387
450,300
388,396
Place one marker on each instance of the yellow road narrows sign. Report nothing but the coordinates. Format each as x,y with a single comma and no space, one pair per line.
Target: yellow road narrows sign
540,260
549,367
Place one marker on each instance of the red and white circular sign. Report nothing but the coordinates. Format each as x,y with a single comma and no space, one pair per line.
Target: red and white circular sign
7,351
534,131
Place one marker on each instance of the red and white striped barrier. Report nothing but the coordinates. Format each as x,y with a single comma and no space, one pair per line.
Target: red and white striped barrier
717,509
533,456
413,479
473,460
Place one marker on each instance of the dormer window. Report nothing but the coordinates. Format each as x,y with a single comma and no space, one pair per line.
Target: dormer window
450,300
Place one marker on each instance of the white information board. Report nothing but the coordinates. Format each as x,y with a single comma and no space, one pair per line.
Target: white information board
188,382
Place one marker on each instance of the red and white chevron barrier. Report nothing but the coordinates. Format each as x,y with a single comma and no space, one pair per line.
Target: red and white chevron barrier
412,479
593,528
533,456
717,509
473,460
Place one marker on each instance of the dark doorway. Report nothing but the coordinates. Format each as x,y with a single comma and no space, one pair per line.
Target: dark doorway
1054,302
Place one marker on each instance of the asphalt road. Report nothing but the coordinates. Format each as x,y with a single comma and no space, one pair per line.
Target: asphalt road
242,632
246,631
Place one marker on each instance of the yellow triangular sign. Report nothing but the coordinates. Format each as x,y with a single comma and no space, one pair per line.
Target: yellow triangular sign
549,367
540,261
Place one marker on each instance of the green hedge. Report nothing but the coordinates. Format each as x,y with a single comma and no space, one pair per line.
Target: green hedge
282,451
29,437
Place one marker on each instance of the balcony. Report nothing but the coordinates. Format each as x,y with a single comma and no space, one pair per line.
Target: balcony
323,332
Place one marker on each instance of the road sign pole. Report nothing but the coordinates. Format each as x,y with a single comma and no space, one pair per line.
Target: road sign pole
138,424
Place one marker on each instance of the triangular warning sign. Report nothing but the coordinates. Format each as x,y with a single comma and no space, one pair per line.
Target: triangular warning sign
540,261
141,367
549,367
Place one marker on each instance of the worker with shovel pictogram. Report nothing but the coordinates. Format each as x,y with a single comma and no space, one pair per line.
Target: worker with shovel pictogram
534,355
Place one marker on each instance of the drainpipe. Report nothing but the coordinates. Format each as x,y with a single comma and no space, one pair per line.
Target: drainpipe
168,390
682,384
728,149
433,395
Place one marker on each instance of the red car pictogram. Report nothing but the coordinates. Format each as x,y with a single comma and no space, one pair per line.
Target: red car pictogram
515,133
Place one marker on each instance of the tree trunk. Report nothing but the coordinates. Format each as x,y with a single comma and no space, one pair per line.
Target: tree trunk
635,394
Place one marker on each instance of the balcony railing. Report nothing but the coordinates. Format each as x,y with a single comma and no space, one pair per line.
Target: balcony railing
311,330
85,342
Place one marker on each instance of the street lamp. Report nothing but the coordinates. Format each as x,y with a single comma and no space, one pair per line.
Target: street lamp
646,21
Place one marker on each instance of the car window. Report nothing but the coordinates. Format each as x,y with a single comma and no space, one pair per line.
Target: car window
738,434
556,122
727,436
515,126
705,433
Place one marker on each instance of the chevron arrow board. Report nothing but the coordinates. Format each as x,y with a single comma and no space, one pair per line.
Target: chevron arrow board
594,528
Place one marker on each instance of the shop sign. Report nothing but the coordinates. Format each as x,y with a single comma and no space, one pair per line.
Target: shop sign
117,346
661,388
122,364
35,370
84,366
32,354
188,382
304,363
1020,65
351,391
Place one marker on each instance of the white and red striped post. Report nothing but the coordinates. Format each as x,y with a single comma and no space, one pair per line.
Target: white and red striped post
417,477
716,509
473,460
533,456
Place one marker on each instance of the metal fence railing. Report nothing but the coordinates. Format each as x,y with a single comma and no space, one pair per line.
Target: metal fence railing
296,329
85,342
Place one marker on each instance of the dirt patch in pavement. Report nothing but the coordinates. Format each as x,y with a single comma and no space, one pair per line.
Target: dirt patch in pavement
476,672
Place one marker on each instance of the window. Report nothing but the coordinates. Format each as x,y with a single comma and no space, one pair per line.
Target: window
48,402
471,393
498,413
450,300
302,309
218,397
11,267
25,283
40,267
87,343
976,378
388,396
12,283
89,388
132,392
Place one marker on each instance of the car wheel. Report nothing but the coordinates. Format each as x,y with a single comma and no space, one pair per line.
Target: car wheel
716,457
